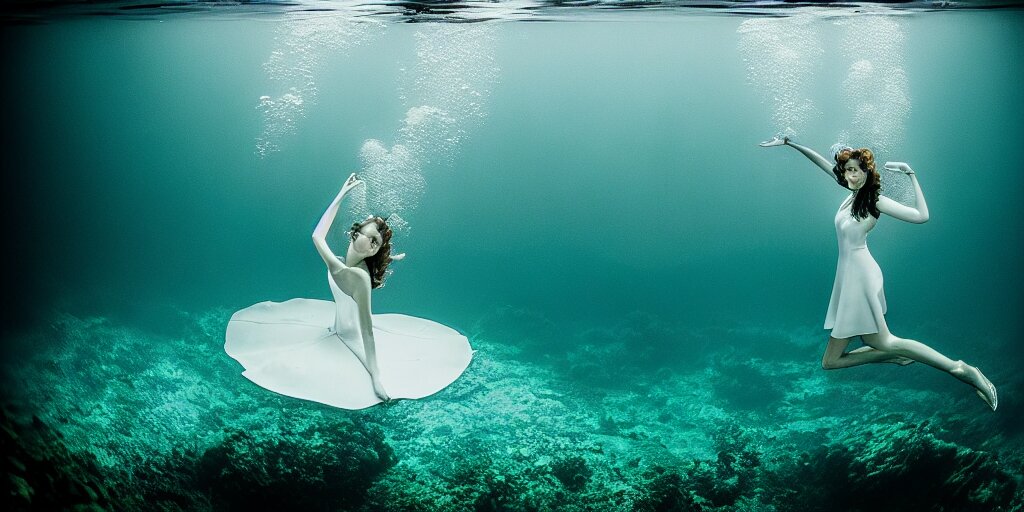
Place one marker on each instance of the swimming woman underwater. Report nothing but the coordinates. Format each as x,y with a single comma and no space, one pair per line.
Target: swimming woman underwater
857,306
338,353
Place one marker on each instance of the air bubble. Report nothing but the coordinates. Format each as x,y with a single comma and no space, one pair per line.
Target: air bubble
781,56
303,41
444,93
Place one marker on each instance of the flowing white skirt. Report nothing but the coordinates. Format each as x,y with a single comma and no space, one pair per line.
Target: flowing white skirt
293,348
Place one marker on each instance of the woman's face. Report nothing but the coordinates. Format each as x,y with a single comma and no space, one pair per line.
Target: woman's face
367,240
854,175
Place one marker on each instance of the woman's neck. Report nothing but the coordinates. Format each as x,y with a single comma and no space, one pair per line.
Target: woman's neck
357,262
352,259
362,264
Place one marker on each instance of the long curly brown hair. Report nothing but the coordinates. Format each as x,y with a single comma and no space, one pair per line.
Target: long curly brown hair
866,201
378,263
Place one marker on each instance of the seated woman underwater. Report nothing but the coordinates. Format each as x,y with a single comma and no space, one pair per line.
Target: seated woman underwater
338,353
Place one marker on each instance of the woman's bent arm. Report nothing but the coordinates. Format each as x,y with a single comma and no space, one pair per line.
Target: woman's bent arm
918,215
334,264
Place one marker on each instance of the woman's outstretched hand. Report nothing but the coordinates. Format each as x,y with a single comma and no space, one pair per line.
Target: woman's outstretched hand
899,167
378,388
776,141
352,182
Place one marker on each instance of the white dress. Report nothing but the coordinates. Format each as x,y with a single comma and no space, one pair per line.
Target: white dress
858,301
306,348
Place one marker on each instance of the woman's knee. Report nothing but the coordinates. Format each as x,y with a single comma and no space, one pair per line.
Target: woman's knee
886,342
829,362
835,349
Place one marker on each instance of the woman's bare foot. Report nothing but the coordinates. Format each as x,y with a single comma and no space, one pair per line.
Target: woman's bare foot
982,386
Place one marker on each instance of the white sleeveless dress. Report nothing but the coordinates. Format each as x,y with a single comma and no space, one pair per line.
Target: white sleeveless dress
858,302
306,348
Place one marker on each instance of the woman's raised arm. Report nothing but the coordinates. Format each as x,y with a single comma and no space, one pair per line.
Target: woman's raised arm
918,215
334,264
811,155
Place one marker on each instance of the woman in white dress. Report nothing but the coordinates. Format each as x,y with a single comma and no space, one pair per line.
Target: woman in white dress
857,306
338,353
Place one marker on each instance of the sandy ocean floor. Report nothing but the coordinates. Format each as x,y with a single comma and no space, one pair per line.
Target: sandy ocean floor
638,415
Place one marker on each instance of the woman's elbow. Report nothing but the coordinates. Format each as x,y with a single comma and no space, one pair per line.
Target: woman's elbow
914,216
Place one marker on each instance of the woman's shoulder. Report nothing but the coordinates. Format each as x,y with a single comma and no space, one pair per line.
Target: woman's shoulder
350,278
887,201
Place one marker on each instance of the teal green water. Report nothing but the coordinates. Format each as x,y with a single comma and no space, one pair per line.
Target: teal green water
615,168
585,199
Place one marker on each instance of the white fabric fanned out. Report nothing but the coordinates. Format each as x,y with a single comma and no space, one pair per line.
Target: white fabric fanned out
311,349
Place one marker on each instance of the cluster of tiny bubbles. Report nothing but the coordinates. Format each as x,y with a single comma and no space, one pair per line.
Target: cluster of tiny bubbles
279,119
781,55
304,42
876,91
445,92
876,88
397,223
896,185
447,89
392,180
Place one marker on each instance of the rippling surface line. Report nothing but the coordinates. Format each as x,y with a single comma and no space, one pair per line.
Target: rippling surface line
41,11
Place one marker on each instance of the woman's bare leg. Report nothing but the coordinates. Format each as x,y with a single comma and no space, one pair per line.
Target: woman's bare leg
836,356
885,341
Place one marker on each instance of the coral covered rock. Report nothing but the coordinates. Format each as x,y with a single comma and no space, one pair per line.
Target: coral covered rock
573,472
666,491
327,468
41,474
893,468
706,485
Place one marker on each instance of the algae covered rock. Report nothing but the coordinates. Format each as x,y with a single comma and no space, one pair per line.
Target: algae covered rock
321,467
704,485
895,467
42,474
666,491
573,472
